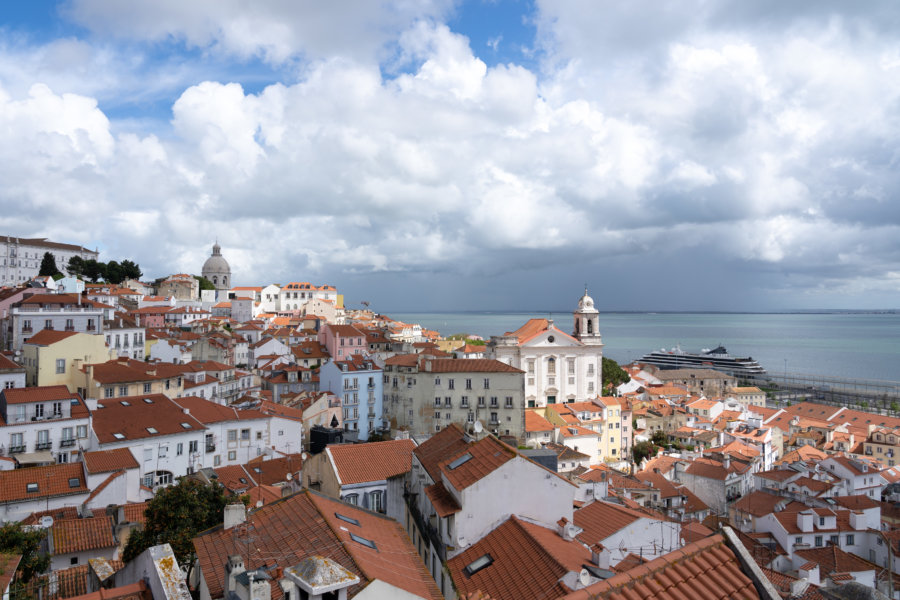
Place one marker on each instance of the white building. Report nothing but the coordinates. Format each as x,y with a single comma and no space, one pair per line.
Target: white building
12,375
558,367
20,258
62,312
43,424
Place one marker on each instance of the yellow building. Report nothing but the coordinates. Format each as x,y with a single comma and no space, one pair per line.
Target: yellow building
749,396
127,377
54,357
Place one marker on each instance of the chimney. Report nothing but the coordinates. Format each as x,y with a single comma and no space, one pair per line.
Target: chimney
233,568
727,461
798,587
186,411
600,556
235,514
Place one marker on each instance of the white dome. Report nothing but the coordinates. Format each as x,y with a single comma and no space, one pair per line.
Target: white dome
586,303
217,270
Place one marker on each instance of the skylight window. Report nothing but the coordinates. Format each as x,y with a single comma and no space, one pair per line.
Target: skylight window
118,436
148,400
478,564
74,483
186,425
347,519
363,541
460,461
152,430
125,403
31,487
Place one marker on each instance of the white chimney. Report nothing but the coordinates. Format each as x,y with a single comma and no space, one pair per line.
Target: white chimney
600,556
235,514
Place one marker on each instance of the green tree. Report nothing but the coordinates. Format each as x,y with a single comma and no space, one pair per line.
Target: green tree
48,266
642,450
660,438
130,270
76,266
15,539
175,515
205,284
613,374
94,270
895,407
114,273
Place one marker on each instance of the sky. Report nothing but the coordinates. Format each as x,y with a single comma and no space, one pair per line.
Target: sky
439,155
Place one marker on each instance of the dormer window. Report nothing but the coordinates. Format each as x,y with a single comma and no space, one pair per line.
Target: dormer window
119,436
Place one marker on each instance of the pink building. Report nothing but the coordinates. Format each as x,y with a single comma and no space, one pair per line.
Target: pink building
151,317
342,340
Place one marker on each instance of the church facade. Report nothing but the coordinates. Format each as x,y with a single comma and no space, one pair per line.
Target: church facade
559,367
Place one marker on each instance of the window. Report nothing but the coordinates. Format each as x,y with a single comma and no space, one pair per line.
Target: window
123,390
245,434
109,392
449,384
447,401
850,541
81,431
232,455
163,450
146,388
437,401
179,449
571,366
818,541
468,384
60,365
48,324
437,381
798,539
217,460
464,402
259,435
551,365
437,414
57,409
232,435
192,446
835,540
481,401
351,499
821,521
487,384
494,402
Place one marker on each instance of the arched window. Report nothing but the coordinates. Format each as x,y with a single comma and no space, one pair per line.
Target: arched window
224,279
590,325
551,365
215,281
351,499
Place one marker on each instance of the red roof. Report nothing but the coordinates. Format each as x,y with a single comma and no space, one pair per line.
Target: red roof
53,480
104,461
451,441
599,520
467,365
46,337
305,524
705,569
374,461
487,455
133,417
79,535
528,561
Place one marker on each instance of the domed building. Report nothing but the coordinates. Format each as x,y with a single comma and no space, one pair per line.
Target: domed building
587,321
216,269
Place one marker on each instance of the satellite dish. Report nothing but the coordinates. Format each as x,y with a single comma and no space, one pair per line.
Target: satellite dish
259,504
478,427
304,456
584,577
289,476
46,521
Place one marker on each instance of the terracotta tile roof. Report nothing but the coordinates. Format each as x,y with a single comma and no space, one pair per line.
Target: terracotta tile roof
274,470
263,494
402,360
45,393
292,528
528,562
487,455
64,512
451,441
777,474
79,535
52,480
47,337
693,531
132,591
467,365
8,565
705,569
373,461
534,327
133,418
234,478
759,503
135,512
208,412
599,520
663,462
630,561
831,559
858,502
443,501
104,461
711,469
616,479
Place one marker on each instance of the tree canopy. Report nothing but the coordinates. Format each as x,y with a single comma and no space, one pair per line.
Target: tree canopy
205,284
111,272
613,374
175,515
15,539
48,266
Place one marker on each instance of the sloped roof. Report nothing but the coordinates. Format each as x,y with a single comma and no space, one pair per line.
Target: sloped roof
373,461
704,569
599,520
79,535
134,418
448,442
305,524
104,461
487,455
468,365
47,337
528,562
52,480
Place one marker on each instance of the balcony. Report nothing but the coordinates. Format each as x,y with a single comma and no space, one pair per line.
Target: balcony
43,445
27,330
17,449
210,448
371,414
425,528
67,443
70,328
